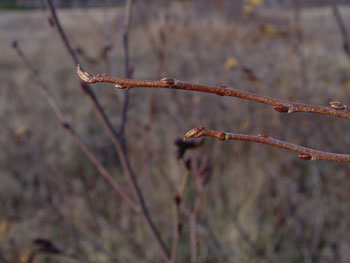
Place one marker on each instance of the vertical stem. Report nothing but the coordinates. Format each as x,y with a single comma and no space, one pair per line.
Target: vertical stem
116,139
342,27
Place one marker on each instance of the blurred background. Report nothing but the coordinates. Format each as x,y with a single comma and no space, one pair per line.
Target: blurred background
256,203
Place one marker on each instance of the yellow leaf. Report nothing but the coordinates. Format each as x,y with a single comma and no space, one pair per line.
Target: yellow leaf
25,256
231,63
22,130
346,84
248,10
255,3
4,228
271,30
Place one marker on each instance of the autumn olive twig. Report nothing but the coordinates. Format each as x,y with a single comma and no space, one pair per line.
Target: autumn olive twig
305,153
335,108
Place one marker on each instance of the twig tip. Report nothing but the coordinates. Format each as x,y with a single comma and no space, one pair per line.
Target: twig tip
85,76
194,133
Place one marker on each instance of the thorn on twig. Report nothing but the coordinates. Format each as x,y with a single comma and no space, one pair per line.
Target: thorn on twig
305,156
337,105
281,108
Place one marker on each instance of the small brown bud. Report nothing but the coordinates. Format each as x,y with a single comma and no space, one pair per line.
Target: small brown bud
305,156
337,105
222,136
263,135
281,108
223,86
118,86
168,81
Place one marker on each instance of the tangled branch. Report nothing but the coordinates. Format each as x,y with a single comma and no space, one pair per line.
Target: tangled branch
334,109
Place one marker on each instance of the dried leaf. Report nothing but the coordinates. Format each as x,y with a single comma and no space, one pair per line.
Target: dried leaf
255,3
231,63
272,30
22,130
4,229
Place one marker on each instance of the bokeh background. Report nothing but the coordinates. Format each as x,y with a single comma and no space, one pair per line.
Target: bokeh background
260,204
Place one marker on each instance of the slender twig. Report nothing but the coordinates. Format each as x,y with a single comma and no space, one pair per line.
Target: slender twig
335,109
70,130
305,153
342,27
117,141
193,226
127,69
176,228
299,41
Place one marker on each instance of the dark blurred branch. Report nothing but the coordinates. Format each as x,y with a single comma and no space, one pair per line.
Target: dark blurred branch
305,153
127,69
70,130
117,141
299,41
335,109
176,228
342,27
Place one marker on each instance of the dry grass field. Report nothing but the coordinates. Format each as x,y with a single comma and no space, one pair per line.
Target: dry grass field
261,204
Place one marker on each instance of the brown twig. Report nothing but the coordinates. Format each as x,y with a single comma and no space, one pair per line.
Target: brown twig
116,139
305,153
299,41
176,228
127,69
342,27
335,109
70,130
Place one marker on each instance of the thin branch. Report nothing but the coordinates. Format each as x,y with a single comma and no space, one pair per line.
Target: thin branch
127,69
305,153
176,228
335,109
299,41
342,27
117,141
193,227
70,130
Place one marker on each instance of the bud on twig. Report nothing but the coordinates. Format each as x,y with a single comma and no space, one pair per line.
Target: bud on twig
337,105
168,81
305,156
281,108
